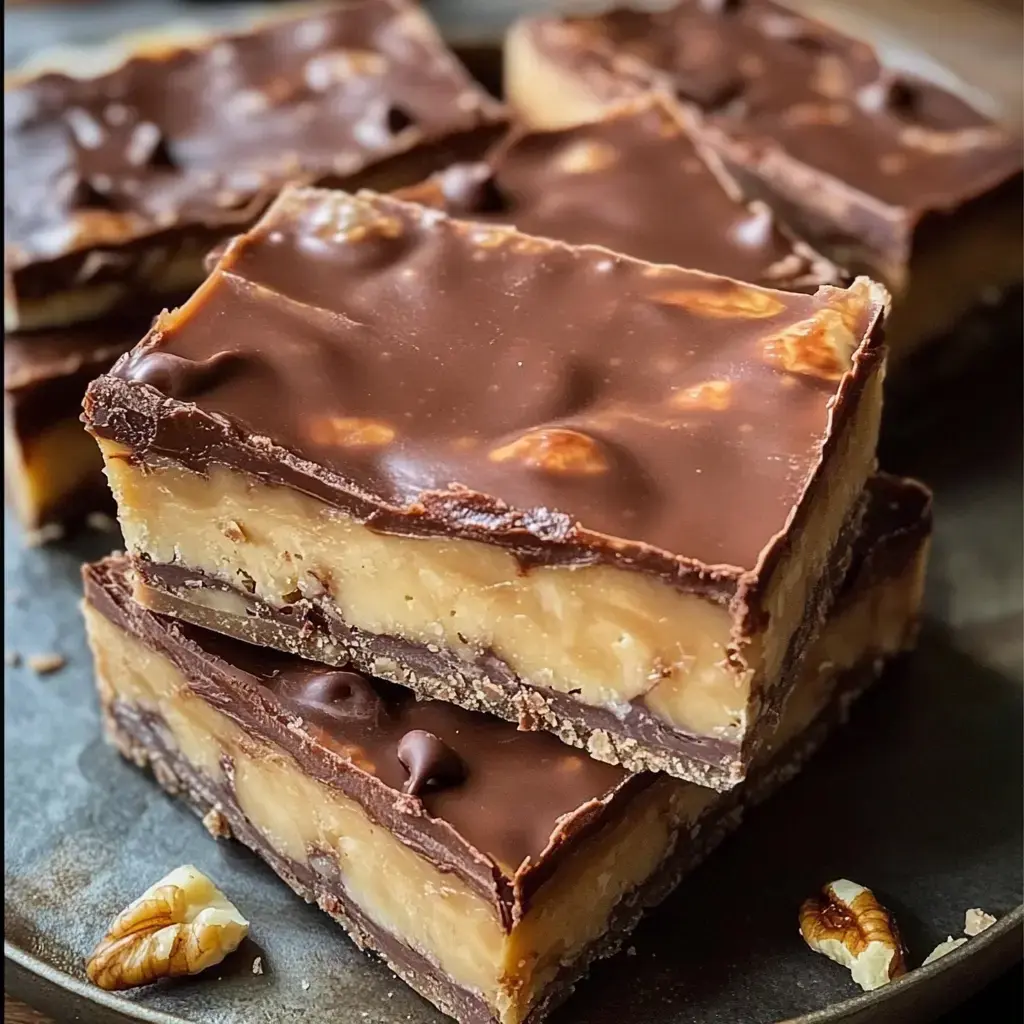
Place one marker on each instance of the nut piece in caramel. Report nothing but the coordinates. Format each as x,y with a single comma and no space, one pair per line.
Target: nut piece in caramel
351,432
554,450
181,925
823,345
852,304
327,70
709,394
586,157
738,302
848,924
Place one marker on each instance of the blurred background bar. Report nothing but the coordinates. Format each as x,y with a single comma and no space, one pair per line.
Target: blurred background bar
973,41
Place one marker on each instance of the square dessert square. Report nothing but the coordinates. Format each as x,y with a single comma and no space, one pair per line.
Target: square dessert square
637,180
53,475
488,866
603,497
119,183
884,172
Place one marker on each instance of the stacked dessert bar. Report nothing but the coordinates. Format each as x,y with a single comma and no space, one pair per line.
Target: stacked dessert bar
118,184
382,454
478,575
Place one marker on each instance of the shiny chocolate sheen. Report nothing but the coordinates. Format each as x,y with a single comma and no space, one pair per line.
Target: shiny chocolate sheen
634,182
430,762
427,372
781,82
504,791
206,134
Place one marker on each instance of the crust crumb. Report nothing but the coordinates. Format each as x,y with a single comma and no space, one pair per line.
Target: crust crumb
47,663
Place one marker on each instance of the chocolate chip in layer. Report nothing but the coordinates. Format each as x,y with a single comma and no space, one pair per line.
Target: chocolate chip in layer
505,793
130,173
415,361
635,181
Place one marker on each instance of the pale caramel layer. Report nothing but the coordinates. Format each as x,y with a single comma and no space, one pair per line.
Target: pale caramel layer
431,912
606,635
52,466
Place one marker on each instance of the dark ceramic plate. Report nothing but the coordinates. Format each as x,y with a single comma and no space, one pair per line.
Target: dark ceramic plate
919,798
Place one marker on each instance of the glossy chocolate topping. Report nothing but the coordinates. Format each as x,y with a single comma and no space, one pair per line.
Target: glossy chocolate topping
773,78
207,134
634,182
440,376
504,791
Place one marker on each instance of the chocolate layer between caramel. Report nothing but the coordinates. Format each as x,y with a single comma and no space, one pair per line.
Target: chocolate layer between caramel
368,399
636,181
120,183
227,726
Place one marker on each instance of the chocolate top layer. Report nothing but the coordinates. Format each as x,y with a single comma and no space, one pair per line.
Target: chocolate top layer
771,77
634,182
431,375
207,134
504,791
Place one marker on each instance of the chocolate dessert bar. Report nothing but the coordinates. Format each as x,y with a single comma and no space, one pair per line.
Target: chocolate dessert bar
53,474
607,498
635,181
118,184
885,173
489,867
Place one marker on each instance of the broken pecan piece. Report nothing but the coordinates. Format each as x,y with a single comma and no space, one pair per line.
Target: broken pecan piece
848,924
181,925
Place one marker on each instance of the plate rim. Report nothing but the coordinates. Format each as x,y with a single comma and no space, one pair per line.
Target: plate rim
991,940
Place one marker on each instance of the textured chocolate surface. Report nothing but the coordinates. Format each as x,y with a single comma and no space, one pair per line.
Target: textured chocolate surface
46,372
515,795
412,370
635,182
781,82
203,136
